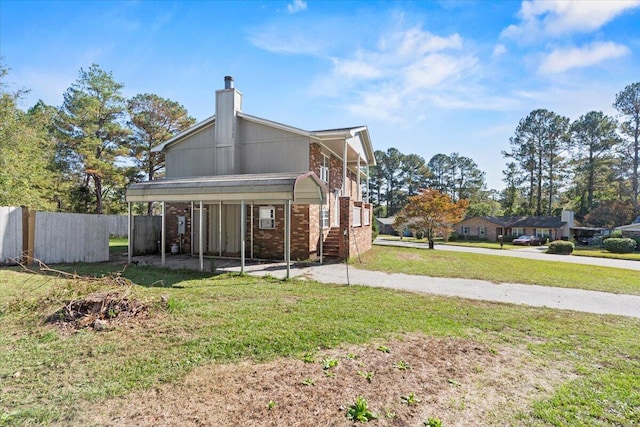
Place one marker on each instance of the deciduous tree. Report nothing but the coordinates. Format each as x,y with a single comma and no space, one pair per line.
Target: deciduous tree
432,213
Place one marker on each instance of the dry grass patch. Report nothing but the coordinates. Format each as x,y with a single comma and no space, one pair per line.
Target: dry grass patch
458,381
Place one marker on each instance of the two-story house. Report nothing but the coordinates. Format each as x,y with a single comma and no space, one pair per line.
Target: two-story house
245,186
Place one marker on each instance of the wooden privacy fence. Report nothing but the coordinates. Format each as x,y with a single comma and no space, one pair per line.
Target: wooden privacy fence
52,237
147,232
11,243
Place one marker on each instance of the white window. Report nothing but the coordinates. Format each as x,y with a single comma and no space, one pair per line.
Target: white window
324,169
367,217
543,232
517,231
267,217
324,215
357,216
465,229
482,231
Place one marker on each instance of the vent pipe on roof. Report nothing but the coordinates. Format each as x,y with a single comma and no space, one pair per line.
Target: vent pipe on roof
228,82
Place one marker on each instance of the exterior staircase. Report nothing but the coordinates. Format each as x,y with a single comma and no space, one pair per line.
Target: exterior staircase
331,244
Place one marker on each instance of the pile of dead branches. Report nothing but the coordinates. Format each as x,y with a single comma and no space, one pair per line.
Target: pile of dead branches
111,304
99,311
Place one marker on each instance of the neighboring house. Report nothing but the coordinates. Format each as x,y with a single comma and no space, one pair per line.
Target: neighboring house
487,227
385,226
265,189
630,230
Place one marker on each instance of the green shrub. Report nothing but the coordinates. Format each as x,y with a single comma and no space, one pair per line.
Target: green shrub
637,240
560,247
374,228
619,245
453,237
615,234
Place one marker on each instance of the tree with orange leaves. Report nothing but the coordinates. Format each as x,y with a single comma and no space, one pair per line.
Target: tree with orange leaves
431,213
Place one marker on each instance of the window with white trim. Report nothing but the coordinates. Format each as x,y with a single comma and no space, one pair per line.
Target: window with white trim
482,231
543,232
267,217
517,231
465,229
367,217
324,216
357,216
324,169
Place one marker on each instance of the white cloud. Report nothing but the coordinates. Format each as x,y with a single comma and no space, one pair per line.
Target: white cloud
498,50
565,59
560,17
296,6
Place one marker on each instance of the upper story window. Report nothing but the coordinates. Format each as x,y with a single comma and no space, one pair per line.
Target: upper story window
324,168
267,217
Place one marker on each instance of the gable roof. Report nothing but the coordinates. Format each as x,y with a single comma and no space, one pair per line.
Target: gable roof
321,135
523,221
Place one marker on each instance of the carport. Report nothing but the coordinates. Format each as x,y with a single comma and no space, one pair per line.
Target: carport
246,189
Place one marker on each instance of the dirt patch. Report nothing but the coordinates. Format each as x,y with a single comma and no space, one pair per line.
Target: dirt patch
99,311
457,381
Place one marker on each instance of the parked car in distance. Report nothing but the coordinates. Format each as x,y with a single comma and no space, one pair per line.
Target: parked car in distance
527,241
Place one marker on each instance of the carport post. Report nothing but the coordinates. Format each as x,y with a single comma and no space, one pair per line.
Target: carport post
201,236
243,231
251,231
129,235
164,230
220,228
287,236
320,227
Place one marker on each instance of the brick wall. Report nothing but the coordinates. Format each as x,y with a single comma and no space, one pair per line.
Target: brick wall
172,211
359,238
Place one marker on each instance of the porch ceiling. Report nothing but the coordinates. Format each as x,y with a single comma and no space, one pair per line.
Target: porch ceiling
300,188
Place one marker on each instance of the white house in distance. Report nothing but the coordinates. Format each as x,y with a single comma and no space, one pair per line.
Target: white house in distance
265,189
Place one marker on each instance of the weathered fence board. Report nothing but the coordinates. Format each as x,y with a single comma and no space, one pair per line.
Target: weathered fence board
118,226
10,234
66,237
147,232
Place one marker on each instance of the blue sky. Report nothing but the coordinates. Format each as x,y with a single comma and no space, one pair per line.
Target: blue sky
425,77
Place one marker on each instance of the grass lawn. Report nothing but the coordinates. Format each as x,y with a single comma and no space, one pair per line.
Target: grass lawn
48,375
601,253
500,269
118,245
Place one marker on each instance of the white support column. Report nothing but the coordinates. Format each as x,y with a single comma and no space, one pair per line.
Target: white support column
201,236
191,230
359,193
344,170
243,232
287,236
220,228
163,233
368,183
129,235
251,230
321,243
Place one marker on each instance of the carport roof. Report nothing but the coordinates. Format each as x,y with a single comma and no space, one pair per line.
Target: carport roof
300,188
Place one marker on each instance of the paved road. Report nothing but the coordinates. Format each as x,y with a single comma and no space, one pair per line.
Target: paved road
535,252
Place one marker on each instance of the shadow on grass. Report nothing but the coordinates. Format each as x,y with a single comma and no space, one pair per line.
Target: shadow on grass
145,276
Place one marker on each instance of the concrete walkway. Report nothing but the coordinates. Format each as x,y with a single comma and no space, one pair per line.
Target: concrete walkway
532,295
